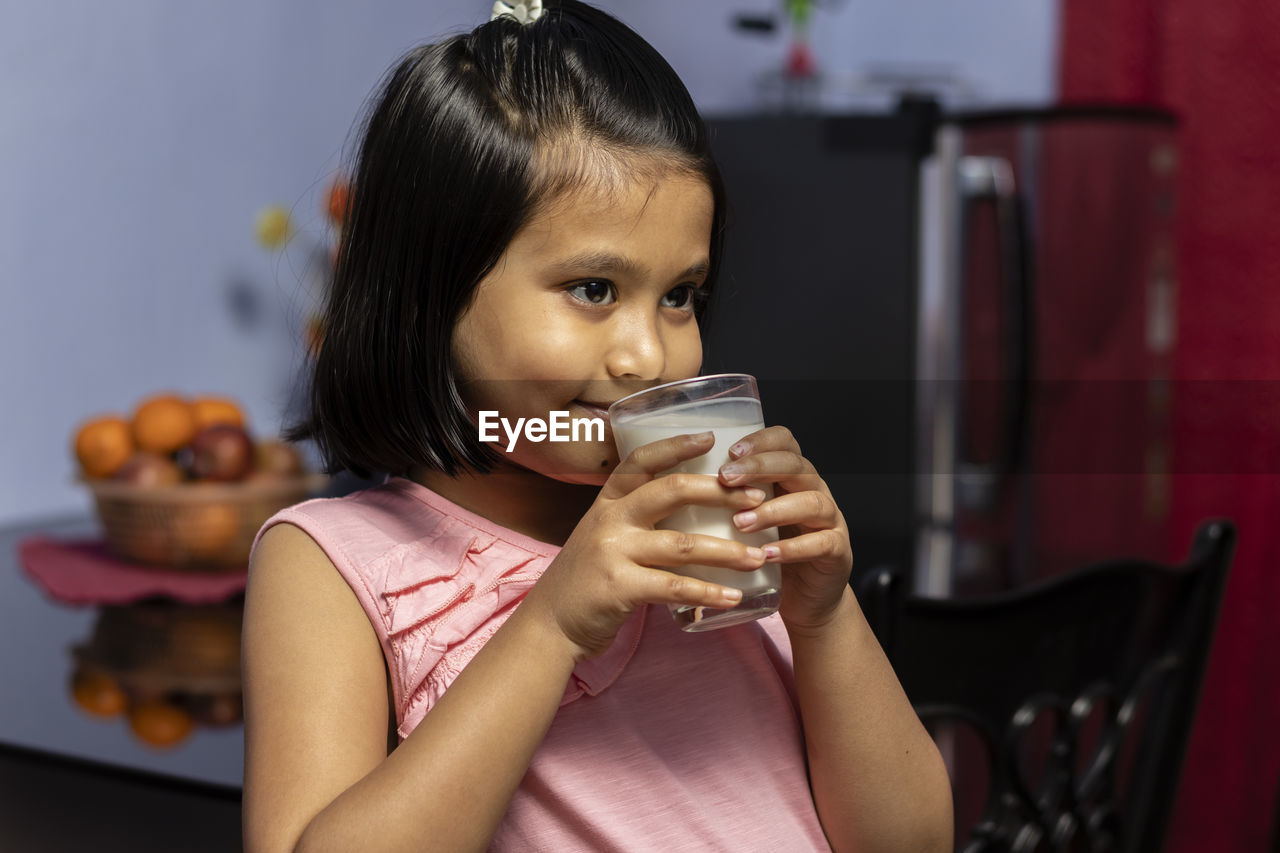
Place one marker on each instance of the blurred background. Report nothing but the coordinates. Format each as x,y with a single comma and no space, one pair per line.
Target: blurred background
145,148
139,144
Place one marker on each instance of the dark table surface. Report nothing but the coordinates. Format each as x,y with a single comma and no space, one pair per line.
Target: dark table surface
37,711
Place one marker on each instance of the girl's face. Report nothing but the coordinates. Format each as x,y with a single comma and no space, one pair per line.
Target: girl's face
592,300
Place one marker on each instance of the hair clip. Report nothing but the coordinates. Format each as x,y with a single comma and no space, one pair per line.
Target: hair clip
526,11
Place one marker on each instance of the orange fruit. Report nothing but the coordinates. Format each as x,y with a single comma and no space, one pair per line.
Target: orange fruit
163,423
103,444
216,410
159,723
98,693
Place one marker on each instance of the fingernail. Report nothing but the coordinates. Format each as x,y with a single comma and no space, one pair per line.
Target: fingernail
756,553
745,519
772,552
738,449
730,594
701,437
755,494
729,472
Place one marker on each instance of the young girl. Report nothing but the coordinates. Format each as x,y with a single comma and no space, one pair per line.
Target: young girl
478,652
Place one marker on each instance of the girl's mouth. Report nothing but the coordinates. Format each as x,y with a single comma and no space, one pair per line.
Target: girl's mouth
595,410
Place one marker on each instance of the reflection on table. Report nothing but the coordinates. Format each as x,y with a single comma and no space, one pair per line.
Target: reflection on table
126,674
165,667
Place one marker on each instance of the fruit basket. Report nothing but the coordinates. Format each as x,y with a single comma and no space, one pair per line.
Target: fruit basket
203,526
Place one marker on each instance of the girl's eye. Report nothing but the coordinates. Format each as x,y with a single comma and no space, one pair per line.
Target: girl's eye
593,292
685,296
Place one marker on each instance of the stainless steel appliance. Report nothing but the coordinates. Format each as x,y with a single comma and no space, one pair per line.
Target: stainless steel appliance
967,320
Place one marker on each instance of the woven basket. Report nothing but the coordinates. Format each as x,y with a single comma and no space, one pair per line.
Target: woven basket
193,526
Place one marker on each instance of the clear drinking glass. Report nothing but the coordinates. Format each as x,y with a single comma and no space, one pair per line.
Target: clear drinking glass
727,405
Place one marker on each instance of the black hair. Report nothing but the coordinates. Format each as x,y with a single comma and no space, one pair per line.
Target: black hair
464,139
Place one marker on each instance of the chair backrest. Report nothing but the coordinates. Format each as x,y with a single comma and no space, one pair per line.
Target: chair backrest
1082,691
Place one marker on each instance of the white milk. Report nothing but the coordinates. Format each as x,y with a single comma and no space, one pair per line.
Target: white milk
730,420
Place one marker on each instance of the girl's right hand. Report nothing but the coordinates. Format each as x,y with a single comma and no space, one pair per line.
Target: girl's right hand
613,562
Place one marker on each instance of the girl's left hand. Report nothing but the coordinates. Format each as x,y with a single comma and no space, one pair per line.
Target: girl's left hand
814,540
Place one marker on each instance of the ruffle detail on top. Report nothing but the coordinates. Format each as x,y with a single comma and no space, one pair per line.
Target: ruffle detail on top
444,599
431,650
443,596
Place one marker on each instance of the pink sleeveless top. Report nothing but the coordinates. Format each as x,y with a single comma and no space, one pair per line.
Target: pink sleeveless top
667,741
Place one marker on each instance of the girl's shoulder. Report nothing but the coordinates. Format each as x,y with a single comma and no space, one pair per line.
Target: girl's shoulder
408,553
401,515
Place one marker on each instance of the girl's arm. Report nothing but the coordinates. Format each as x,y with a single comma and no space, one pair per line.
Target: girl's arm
317,773
878,780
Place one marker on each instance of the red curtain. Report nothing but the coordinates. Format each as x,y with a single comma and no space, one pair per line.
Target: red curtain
1218,65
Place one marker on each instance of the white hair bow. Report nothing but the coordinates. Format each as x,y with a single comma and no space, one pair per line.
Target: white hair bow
525,11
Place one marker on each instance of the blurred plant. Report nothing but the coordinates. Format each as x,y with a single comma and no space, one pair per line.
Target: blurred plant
274,229
801,64
800,59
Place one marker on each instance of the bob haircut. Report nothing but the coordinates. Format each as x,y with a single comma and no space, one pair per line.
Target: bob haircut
462,142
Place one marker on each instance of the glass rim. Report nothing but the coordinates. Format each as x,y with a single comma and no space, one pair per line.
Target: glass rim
678,382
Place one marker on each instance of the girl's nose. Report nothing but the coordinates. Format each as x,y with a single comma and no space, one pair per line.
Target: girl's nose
636,347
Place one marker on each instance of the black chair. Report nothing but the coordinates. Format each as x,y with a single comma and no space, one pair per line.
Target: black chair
1079,693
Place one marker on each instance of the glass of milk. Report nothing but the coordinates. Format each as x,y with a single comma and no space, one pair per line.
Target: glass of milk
728,405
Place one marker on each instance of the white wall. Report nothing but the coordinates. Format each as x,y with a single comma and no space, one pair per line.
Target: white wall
139,138
1006,49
